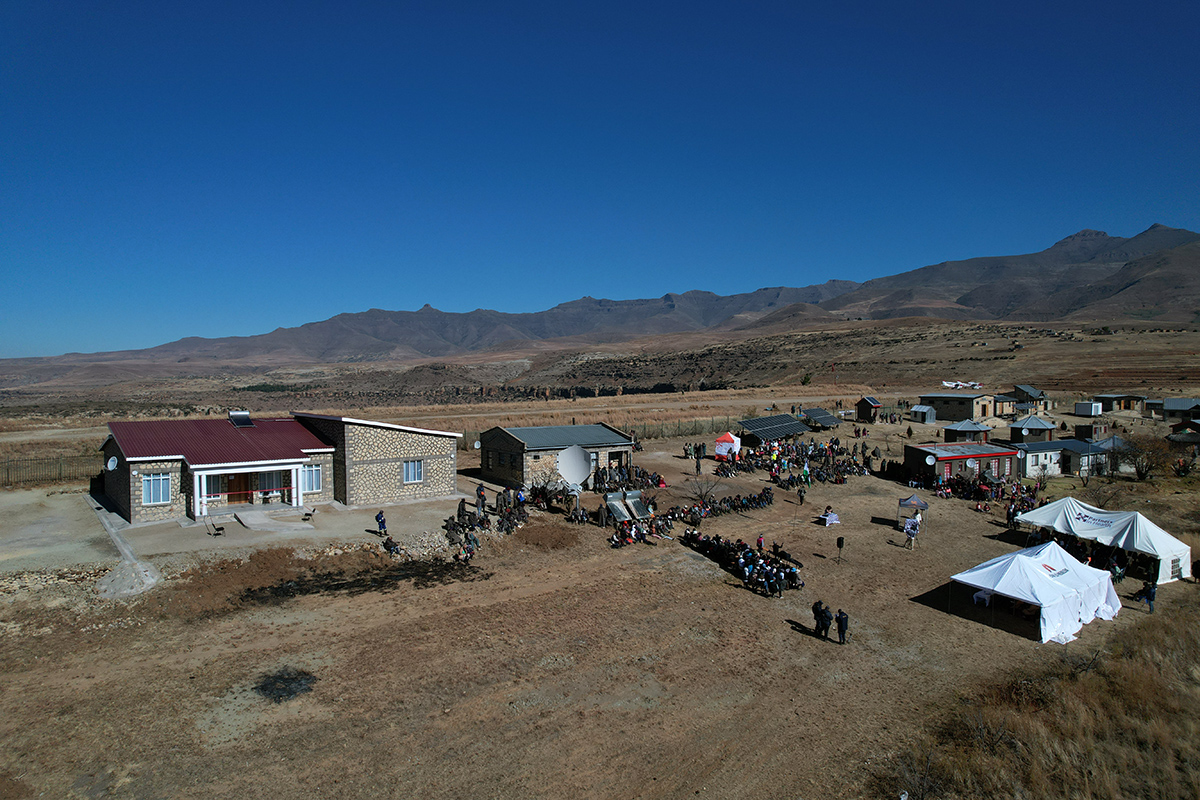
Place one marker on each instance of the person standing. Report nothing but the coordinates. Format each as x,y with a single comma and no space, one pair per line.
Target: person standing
697,465
818,614
826,621
843,622
381,522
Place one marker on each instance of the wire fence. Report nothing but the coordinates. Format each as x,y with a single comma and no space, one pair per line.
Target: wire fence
56,469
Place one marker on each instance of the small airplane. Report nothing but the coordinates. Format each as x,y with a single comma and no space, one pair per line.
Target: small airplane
962,384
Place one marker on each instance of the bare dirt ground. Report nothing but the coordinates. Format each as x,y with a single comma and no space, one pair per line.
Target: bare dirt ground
553,666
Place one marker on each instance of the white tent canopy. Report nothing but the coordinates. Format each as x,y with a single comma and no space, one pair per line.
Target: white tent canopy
1127,530
1069,594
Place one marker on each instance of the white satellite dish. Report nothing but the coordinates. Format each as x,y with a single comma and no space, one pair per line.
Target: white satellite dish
112,464
477,445
972,463
575,464
931,460
1020,455
1024,431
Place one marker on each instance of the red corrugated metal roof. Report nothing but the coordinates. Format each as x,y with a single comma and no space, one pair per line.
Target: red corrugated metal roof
215,441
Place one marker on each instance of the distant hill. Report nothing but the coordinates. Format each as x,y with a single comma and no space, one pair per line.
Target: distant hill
1031,286
1089,276
404,335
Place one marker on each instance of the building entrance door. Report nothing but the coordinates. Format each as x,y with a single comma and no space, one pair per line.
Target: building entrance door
239,489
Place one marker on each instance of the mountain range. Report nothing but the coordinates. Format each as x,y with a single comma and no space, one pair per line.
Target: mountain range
1087,277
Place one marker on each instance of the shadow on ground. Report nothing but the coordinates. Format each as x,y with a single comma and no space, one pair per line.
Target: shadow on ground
957,600
419,574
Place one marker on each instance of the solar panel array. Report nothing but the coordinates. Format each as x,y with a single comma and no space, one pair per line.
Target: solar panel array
820,416
776,427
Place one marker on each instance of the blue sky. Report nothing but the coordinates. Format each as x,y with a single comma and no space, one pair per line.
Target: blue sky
213,169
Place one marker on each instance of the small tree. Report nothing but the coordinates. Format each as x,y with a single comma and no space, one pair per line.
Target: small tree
1147,454
701,488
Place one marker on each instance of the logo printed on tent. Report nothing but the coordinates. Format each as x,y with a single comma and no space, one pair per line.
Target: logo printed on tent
1055,573
1088,519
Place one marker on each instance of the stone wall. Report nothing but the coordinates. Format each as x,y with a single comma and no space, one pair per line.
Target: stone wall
374,464
334,432
156,513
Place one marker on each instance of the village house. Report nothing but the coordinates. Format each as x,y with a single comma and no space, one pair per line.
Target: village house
1121,402
958,406
529,456
969,460
1030,400
1180,409
966,431
171,469
1031,429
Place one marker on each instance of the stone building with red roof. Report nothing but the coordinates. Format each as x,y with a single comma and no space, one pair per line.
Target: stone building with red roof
169,469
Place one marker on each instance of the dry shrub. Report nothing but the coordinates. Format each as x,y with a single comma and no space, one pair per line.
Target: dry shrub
1120,725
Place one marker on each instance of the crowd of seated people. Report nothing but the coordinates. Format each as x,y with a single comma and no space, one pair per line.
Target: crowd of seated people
725,505
631,531
631,478
768,573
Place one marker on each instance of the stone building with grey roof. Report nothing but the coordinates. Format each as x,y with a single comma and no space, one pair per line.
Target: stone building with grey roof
529,456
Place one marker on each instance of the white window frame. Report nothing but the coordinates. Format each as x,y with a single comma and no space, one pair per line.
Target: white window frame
152,484
414,471
270,481
310,478
212,487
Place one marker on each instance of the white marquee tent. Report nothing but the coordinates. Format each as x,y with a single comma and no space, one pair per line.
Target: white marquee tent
1070,594
1127,530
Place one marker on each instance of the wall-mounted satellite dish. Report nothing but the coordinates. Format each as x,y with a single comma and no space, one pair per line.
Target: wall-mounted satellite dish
1020,455
112,464
931,460
972,463
477,444
1024,431
575,464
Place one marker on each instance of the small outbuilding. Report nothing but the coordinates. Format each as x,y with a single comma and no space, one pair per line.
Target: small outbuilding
1121,402
926,415
529,456
867,409
1031,429
1031,398
966,431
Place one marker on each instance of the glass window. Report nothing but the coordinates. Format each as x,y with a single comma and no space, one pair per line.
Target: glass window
413,471
156,488
310,478
270,481
212,487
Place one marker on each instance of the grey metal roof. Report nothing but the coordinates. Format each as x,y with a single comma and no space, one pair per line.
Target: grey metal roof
1180,403
820,416
1033,424
954,395
775,427
968,426
924,409
1004,398
1083,448
873,401
558,437
1043,447
963,449
1029,390
1120,396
